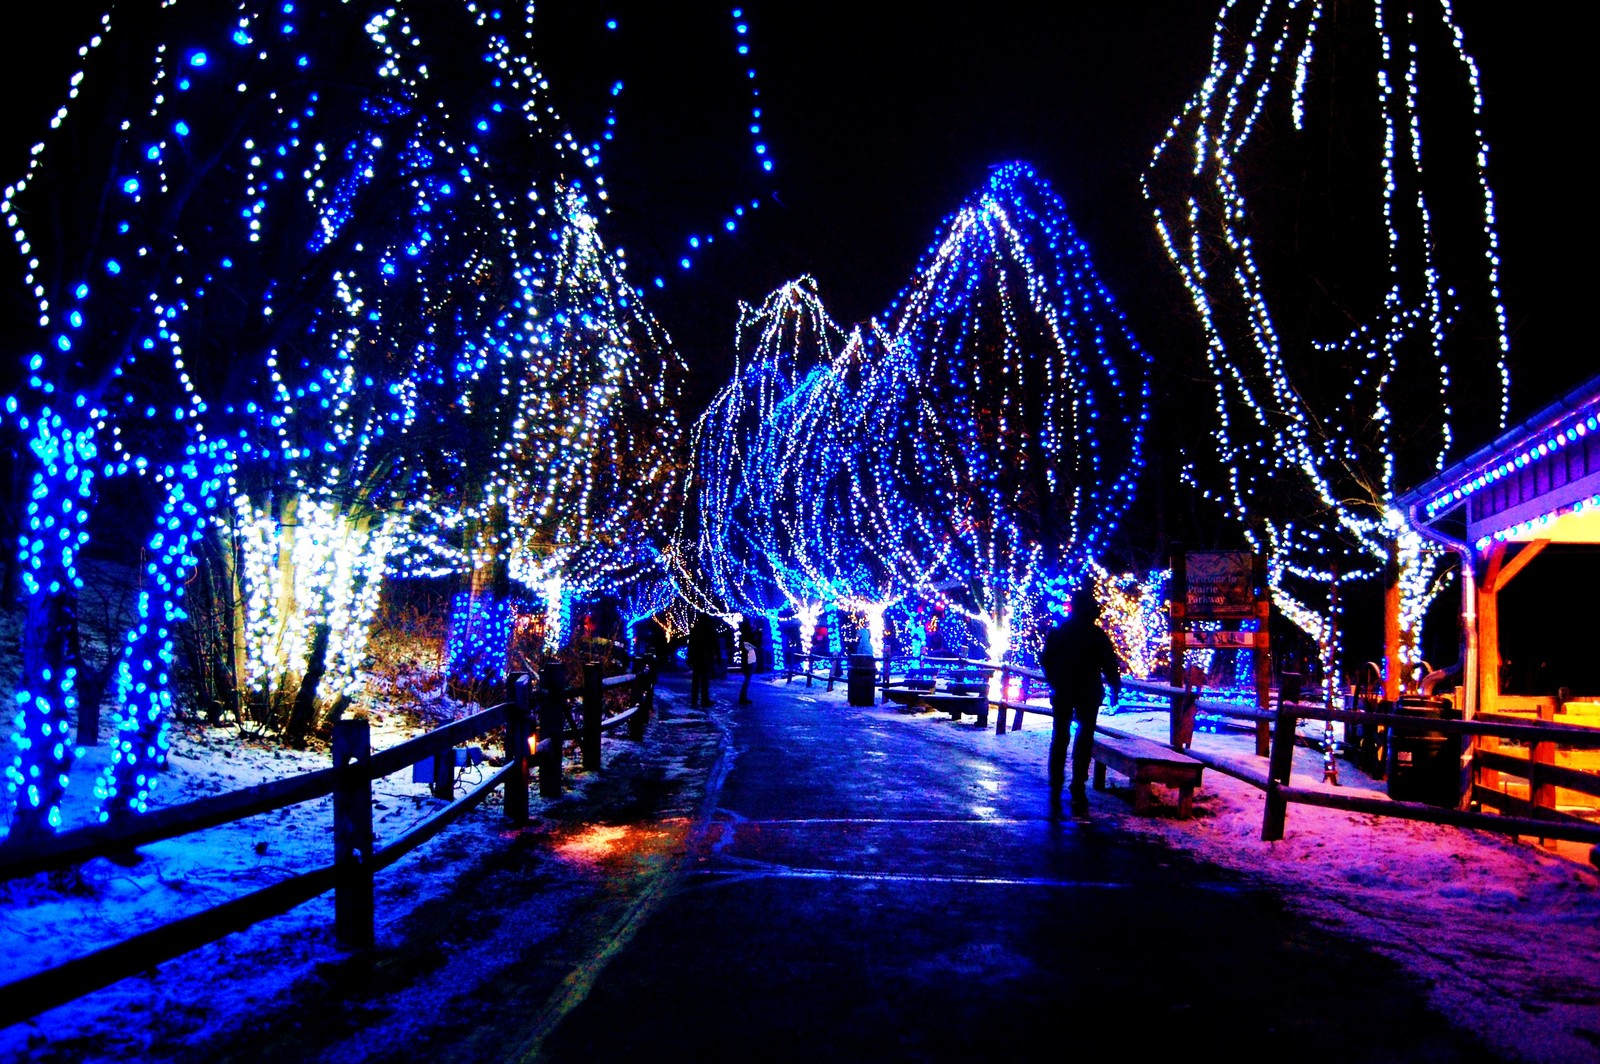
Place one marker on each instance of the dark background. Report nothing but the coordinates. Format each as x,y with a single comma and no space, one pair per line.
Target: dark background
882,117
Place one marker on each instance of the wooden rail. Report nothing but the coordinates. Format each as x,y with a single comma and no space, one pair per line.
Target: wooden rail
809,670
1533,817
1541,822
356,858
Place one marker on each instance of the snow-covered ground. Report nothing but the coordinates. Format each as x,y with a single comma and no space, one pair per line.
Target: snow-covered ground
1506,933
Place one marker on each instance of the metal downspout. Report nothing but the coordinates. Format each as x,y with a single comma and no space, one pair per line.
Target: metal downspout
1469,609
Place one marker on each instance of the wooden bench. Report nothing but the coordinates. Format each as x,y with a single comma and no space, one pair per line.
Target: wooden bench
1144,762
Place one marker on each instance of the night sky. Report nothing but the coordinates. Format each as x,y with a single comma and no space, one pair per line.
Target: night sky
882,118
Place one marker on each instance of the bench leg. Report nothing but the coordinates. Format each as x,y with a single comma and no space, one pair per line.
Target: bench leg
1141,796
1099,776
1185,802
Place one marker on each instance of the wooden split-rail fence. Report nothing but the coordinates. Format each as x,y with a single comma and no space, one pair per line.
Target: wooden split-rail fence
535,721
920,682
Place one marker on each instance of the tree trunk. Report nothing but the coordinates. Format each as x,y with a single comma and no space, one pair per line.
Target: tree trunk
235,651
1391,624
303,717
47,633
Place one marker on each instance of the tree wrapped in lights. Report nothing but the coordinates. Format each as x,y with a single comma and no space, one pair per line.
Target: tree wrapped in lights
805,464
1349,294
1005,418
287,223
562,452
225,143
423,238
746,549
599,460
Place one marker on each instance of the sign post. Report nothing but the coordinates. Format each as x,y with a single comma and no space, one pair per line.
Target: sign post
1222,585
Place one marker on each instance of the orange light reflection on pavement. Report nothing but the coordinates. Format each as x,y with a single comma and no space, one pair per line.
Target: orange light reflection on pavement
597,843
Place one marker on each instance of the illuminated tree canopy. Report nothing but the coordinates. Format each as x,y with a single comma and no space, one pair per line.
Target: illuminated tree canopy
343,305
991,433
1349,293
1005,418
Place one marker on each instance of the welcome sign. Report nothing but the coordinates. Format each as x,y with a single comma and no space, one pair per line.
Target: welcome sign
1219,585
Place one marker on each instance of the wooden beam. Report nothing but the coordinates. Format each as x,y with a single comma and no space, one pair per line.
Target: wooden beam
1504,573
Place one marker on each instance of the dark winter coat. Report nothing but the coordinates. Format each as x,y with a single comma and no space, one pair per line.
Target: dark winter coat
705,642
1077,655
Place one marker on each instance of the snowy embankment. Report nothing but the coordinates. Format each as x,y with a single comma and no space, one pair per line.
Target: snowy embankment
1505,933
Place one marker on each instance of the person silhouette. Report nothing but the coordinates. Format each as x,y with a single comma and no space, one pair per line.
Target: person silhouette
1077,657
705,654
749,651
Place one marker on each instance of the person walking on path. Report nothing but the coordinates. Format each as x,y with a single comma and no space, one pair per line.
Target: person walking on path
1078,655
748,653
705,654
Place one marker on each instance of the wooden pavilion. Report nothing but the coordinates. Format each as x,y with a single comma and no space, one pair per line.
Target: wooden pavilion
1538,484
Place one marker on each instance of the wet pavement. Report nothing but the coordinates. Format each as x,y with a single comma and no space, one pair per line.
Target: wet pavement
861,885
802,880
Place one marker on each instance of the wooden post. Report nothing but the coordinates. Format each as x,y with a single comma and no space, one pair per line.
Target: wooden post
1177,610
1263,653
1000,718
1278,773
594,702
644,696
352,835
1542,792
1488,604
552,723
1181,726
1392,680
516,745
444,774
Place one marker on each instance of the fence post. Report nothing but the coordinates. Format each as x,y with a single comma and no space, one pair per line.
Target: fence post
516,744
594,700
1282,759
1540,790
552,725
1180,725
352,835
1005,687
444,774
833,669
644,696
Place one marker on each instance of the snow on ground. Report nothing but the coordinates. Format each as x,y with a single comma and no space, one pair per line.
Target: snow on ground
47,918
1505,933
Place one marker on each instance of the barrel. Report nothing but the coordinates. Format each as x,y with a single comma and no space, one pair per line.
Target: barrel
862,684
1423,765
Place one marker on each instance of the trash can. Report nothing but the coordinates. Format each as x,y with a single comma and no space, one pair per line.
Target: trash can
862,687
1423,765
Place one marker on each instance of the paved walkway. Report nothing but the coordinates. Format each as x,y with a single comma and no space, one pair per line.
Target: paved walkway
861,885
